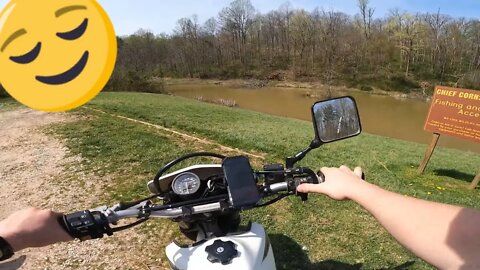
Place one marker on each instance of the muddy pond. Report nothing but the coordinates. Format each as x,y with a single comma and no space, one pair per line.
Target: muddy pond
381,115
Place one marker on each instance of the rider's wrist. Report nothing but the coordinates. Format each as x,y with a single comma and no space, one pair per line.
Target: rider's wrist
358,190
6,250
11,236
14,241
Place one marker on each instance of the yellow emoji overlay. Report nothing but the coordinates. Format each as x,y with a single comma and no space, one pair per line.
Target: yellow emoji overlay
55,55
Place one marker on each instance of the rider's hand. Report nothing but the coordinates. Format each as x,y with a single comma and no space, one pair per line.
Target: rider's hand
339,183
32,228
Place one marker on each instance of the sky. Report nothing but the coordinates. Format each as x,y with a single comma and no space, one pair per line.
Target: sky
160,16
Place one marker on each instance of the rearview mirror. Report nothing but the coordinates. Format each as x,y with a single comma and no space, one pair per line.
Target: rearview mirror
336,119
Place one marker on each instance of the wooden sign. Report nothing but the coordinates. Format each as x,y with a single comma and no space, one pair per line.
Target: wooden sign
454,112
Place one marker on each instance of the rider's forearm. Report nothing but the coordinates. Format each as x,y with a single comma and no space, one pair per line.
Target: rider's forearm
32,228
446,236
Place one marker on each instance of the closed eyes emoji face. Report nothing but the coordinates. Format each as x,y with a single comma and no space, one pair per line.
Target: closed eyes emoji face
55,55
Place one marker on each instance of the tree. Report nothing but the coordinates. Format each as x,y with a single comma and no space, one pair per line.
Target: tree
366,13
391,53
188,32
406,29
302,29
237,20
436,24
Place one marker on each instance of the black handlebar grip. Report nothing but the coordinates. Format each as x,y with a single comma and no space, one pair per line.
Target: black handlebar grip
86,225
321,177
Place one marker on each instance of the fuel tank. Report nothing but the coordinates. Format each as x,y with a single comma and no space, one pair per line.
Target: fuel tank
250,250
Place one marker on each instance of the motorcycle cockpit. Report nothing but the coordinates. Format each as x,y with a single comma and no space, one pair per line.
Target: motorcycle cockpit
242,188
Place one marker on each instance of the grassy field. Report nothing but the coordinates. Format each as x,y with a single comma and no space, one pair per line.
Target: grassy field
318,234
8,104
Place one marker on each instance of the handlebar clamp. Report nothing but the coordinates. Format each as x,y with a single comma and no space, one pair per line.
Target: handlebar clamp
86,225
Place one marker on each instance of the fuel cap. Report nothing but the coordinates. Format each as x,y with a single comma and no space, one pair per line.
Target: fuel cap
222,252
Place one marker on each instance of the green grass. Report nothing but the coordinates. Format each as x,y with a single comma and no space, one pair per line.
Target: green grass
320,233
7,104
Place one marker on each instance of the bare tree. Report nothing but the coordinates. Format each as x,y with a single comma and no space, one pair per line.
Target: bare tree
393,53
237,19
406,29
366,13
436,24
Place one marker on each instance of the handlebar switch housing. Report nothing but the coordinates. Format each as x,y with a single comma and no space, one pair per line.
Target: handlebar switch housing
303,196
276,175
86,225
309,177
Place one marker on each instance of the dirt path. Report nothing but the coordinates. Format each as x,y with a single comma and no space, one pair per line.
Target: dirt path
35,171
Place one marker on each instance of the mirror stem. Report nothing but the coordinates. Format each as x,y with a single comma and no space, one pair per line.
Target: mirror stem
290,161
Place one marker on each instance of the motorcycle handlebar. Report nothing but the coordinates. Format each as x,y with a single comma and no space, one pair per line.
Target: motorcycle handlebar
87,225
167,213
115,216
92,224
277,187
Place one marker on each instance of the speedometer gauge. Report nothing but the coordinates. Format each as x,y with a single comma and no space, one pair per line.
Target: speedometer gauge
186,184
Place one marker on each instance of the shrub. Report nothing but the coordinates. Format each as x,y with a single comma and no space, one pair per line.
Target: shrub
132,81
396,82
402,83
3,92
232,71
367,88
470,80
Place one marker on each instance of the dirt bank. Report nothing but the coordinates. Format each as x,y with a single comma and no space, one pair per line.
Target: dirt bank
314,88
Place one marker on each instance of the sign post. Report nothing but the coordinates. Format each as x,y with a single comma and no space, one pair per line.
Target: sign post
428,153
475,181
454,112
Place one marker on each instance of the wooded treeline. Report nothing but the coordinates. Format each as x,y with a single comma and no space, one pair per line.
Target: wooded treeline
402,51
